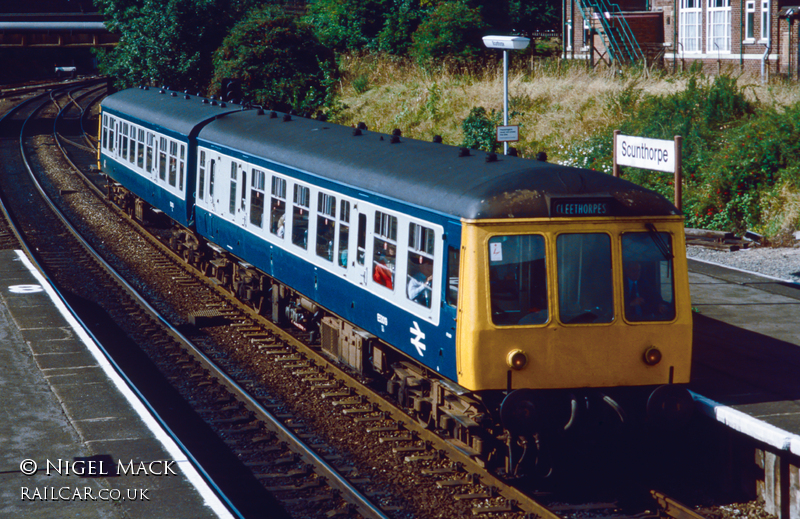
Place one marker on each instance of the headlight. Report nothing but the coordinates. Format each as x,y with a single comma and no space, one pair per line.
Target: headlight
652,356
517,359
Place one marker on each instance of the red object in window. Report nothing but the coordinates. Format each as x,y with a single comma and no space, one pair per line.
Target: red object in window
383,275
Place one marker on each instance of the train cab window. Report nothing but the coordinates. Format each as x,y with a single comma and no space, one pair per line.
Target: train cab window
201,173
361,246
232,193
162,158
585,286
518,280
105,131
111,123
453,266
173,163
300,216
344,233
384,254
648,277
150,143
326,225
258,183
140,150
278,207
419,282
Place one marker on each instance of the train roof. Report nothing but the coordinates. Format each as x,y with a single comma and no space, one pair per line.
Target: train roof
433,176
167,109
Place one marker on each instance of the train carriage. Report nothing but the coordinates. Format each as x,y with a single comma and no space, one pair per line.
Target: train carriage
481,285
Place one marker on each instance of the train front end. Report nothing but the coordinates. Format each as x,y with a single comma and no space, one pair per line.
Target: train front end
580,310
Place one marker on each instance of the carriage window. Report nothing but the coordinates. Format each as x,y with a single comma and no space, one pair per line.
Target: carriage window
344,233
419,281
326,225
105,131
648,277
384,254
140,150
258,181
132,148
361,252
181,166
232,194
124,140
585,288
278,207
453,259
201,184
150,138
244,188
518,280
111,123
173,165
162,158
212,173
300,216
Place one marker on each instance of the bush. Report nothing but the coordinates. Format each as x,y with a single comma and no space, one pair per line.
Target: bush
279,62
480,129
452,32
347,24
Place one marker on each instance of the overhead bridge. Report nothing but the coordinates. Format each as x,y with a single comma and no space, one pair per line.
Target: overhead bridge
55,30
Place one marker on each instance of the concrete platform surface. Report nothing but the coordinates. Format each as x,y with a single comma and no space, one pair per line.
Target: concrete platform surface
76,440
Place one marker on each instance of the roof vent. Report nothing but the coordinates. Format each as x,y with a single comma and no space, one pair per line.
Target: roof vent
187,96
396,132
356,132
381,138
161,91
394,139
174,94
437,139
491,157
362,126
205,101
260,111
273,115
222,105
512,152
213,103
463,152
287,117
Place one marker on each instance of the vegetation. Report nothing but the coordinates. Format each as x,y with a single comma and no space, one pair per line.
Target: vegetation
418,65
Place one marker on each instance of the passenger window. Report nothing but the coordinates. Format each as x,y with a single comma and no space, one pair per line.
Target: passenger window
105,131
326,225
648,277
181,163
212,173
361,252
162,158
518,280
244,189
419,281
232,193
173,164
344,233
278,207
124,140
384,254
257,197
132,144
140,150
585,287
150,143
453,266
201,183
300,216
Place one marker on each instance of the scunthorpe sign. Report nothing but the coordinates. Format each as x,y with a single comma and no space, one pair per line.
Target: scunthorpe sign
639,152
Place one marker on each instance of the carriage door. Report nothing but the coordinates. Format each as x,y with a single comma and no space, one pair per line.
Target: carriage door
359,264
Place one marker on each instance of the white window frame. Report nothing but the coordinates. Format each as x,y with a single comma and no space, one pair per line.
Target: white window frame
718,27
750,21
765,21
691,16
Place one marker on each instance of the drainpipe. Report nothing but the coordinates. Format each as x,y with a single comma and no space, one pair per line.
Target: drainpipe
741,34
764,59
674,36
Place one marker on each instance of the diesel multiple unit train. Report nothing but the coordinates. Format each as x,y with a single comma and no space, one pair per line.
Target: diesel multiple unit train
504,300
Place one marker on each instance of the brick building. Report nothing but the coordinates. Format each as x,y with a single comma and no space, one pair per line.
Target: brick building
755,36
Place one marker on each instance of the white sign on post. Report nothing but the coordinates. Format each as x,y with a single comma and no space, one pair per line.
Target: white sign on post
508,133
639,152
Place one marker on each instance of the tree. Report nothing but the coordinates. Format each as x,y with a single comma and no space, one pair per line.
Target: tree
452,31
167,43
278,61
347,24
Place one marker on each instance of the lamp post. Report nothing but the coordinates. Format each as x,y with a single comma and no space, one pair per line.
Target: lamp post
506,43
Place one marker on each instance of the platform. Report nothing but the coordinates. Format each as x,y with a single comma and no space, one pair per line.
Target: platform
746,367
76,440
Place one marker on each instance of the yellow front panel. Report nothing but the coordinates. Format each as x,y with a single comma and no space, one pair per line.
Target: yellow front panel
577,355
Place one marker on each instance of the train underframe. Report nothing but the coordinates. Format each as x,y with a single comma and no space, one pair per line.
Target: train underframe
520,433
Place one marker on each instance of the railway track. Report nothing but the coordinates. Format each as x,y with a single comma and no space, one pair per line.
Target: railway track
261,388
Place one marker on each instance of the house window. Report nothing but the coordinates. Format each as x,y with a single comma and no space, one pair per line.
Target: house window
587,34
749,22
689,25
568,27
719,26
765,20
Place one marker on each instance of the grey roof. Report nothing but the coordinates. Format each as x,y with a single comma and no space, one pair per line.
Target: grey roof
422,173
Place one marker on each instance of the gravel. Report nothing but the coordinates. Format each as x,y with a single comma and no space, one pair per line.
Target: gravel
778,262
